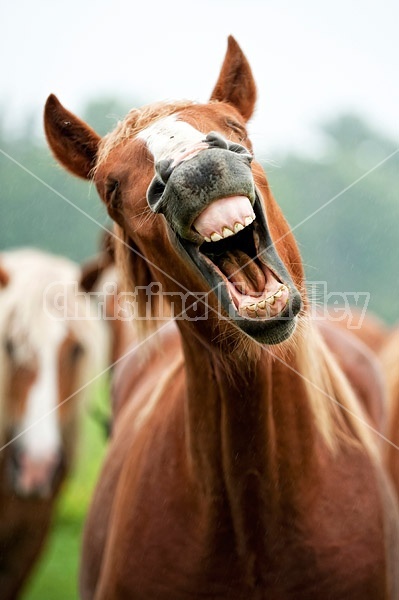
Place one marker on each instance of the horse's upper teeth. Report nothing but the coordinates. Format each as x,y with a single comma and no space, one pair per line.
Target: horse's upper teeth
279,293
262,304
227,232
215,237
270,300
224,217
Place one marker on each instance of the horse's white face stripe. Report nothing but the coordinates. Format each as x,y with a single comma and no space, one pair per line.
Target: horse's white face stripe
169,138
41,434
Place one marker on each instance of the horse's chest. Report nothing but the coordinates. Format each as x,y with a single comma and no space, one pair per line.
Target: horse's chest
323,541
319,557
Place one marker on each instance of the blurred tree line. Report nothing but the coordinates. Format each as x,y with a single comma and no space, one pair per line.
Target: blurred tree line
34,208
352,243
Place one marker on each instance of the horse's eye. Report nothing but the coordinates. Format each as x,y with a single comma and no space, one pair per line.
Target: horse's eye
76,351
237,128
112,192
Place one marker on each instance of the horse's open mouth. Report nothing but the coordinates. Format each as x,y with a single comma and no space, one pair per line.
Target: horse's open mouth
238,259
254,289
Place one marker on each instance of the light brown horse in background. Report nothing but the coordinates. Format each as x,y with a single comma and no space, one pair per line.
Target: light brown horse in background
239,467
51,346
100,277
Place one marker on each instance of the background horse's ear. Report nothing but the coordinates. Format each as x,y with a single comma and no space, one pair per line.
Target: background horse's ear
92,270
236,84
4,277
73,143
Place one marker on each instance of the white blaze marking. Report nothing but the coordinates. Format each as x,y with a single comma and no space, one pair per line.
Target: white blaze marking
41,437
169,138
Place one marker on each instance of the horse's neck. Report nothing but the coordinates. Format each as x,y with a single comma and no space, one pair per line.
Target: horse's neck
249,422
251,443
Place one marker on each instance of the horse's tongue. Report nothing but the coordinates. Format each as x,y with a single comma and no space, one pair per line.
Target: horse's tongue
243,272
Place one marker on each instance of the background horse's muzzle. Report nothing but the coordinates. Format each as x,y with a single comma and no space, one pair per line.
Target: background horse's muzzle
35,477
182,191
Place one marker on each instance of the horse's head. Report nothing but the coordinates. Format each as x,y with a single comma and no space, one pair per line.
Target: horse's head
180,181
45,360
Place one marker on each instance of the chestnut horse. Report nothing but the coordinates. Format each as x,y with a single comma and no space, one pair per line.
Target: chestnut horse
368,328
389,356
45,359
239,466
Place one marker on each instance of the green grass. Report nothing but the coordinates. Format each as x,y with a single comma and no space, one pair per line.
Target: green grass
55,576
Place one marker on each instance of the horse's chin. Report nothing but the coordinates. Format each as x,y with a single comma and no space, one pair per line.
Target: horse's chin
244,270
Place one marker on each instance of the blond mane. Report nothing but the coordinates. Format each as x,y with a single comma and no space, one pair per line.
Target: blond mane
336,410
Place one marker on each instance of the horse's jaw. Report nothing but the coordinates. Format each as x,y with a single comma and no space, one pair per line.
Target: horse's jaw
217,221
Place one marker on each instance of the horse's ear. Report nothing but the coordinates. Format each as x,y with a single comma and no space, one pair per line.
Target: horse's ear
73,143
4,277
236,84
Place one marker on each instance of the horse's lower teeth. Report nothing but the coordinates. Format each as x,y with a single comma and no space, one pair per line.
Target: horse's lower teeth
253,308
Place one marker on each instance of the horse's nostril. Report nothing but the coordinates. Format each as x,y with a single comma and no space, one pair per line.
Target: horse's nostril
164,169
215,140
238,149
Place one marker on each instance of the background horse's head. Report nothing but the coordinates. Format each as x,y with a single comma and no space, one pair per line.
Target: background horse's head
49,349
181,183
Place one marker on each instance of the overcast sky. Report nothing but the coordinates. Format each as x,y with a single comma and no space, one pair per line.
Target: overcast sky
312,60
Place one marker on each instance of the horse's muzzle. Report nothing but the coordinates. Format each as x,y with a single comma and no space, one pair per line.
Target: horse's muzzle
32,477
